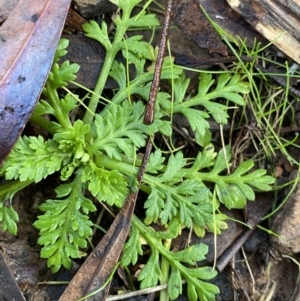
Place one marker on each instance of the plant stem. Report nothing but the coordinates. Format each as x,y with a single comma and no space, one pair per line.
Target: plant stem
111,53
45,124
55,103
89,115
12,187
165,270
113,164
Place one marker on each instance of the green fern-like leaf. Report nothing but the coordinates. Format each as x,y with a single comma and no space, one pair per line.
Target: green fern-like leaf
60,75
204,291
117,130
43,108
32,158
143,19
72,140
132,248
174,284
151,272
195,277
228,87
155,162
141,84
98,33
190,200
65,225
118,73
140,48
235,189
67,104
8,218
107,186
61,49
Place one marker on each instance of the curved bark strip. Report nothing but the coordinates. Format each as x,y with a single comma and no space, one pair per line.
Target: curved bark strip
28,40
277,20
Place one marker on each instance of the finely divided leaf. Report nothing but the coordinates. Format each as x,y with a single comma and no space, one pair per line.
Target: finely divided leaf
100,34
32,158
59,76
43,108
174,284
140,48
191,254
222,161
259,180
172,195
106,185
65,226
142,20
204,159
229,87
72,139
151,272
155,162
205,83
61,49
235,189
172,173
68,103
8,218
117,130
118,73
154,205
199,124
202,291
132,248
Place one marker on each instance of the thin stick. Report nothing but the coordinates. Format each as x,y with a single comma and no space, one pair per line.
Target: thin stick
150,108
144,291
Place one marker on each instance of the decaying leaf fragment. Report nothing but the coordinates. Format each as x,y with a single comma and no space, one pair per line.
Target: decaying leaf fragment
277,20
28,40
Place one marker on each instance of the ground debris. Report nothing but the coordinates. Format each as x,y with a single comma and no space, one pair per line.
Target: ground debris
286,223
91,8
9,289
278,21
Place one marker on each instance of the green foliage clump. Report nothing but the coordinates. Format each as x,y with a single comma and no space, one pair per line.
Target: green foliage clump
98,154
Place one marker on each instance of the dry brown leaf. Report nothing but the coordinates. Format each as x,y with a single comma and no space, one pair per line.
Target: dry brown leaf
28,40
